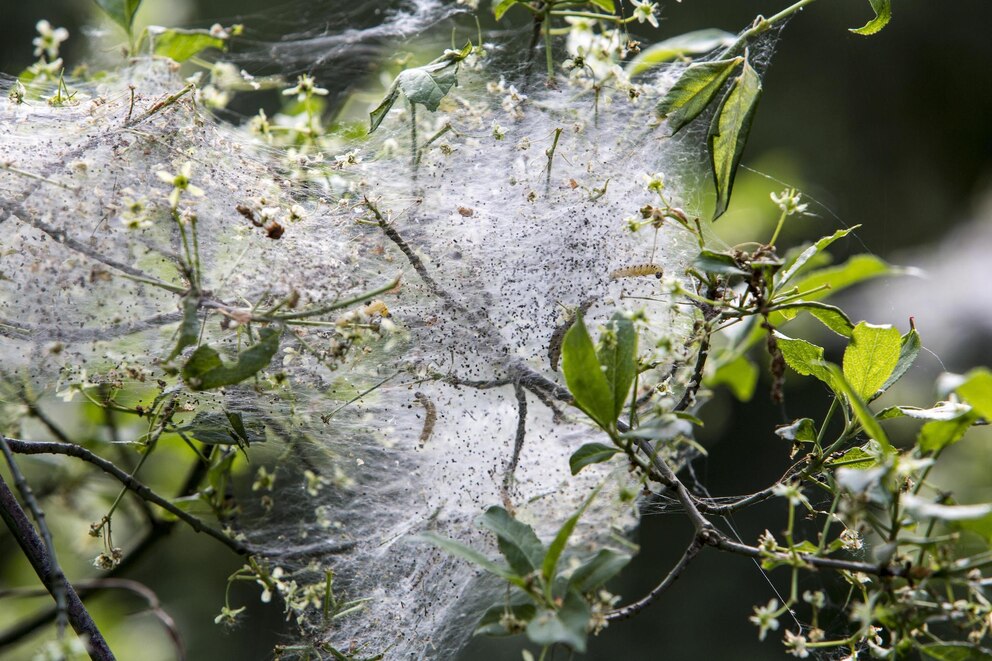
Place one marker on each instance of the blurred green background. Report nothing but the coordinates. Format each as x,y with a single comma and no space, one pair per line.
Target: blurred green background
892,132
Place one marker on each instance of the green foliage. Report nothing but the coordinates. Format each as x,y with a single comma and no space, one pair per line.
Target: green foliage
121,12
870,358
883,14
589,454
551,609
425,85
729,130
694,91
180,45
204,370
698,42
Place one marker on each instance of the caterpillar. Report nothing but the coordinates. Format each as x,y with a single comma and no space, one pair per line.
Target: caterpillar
637,270
429,419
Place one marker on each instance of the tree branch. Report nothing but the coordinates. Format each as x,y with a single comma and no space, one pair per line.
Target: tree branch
71,450
50,573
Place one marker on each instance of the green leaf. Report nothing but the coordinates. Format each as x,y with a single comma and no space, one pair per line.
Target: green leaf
809,253
589,454
935,435
977,391
605,5
883,14
599,569
618,357
804,357
861,410
719,263
491,622
740,375
228,428
871,357
121,11
205,370
728,133
694,90
584,377
801,430
380,111
517,541
549,566
855,458
908,350
425,85
464,552
698,42
501,7
567,625
180,45
830,316
189,329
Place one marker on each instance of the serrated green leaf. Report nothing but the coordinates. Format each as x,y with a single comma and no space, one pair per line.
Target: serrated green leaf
120,11
729,131
804,357
694,91
189,329
517,541
935,435
589,454
180,45
740,375
861,410
595,572
698,42
618,357
871,357
584,376
809,253
801,430
883,14
977,391
501,7
465,552
719,263
205,370
909,348
567,625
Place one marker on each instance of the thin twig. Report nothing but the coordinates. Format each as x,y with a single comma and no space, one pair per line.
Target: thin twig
631,609
140,489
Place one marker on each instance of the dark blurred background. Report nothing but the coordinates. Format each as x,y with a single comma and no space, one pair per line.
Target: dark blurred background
892,132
